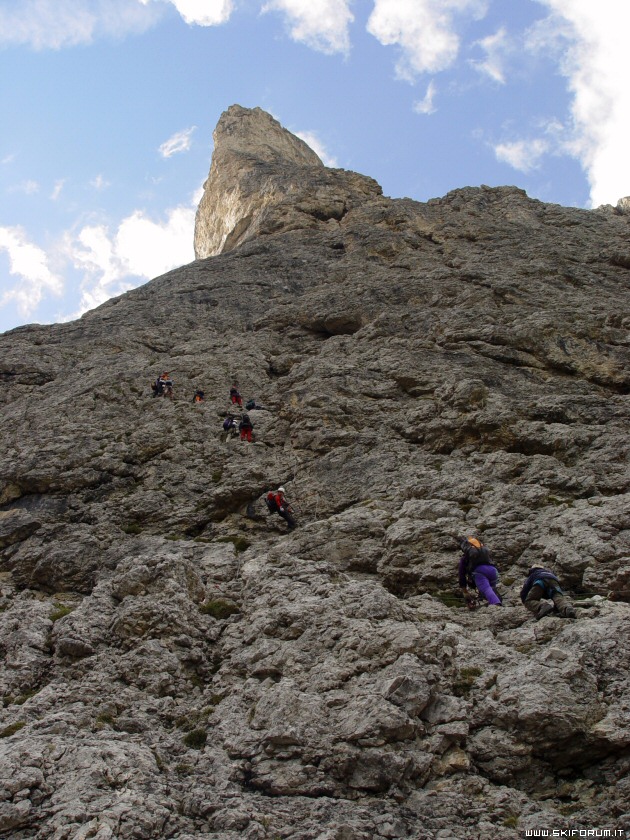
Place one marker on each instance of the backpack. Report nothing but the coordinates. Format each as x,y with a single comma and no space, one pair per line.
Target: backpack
227,424
270,501
246,422
250,404
478,557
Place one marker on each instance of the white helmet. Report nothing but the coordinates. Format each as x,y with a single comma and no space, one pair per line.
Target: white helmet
281,490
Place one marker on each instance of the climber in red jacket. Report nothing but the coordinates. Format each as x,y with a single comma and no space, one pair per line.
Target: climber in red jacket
277,503
235,395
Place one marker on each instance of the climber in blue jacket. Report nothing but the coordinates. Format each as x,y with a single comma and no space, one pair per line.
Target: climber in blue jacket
543,584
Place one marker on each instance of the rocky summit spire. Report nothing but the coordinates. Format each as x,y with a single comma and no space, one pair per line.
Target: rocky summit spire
256,134
264,179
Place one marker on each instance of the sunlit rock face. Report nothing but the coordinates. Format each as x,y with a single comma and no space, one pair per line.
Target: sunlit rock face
263,179
175,663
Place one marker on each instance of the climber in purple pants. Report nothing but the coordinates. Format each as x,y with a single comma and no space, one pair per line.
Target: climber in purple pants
476,571
486,578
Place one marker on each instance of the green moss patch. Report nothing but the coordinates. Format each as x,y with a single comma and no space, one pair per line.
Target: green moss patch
10,700
12,729
219,608
239,543
60,610
449,598
105,719
465,680
196,739
132,528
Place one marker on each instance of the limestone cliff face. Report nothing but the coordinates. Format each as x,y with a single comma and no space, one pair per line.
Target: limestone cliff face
175,664
263,179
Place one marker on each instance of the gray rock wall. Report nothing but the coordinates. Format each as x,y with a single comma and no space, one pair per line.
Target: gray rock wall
175,664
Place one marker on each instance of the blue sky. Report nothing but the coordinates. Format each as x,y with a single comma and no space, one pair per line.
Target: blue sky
108,108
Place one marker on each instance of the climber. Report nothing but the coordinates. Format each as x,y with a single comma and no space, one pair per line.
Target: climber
198,396
163,386
252,405
277,503
246,427
235,395
541,583
230,426
477,571
167,384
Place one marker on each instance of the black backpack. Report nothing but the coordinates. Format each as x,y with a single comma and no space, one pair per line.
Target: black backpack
250,405
477,557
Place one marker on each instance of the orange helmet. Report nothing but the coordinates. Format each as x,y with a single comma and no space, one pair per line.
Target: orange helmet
469,542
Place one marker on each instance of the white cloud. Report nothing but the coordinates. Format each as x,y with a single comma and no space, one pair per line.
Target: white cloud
524,155
30,264
150,248
321,24
495,46
179,142
138,250
426,106
53,24
549,137
26,187
99,183
423,29
57,189
595,65
8,159
204,12
312,140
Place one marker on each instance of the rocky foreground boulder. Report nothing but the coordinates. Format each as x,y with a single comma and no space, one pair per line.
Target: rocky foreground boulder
175,664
